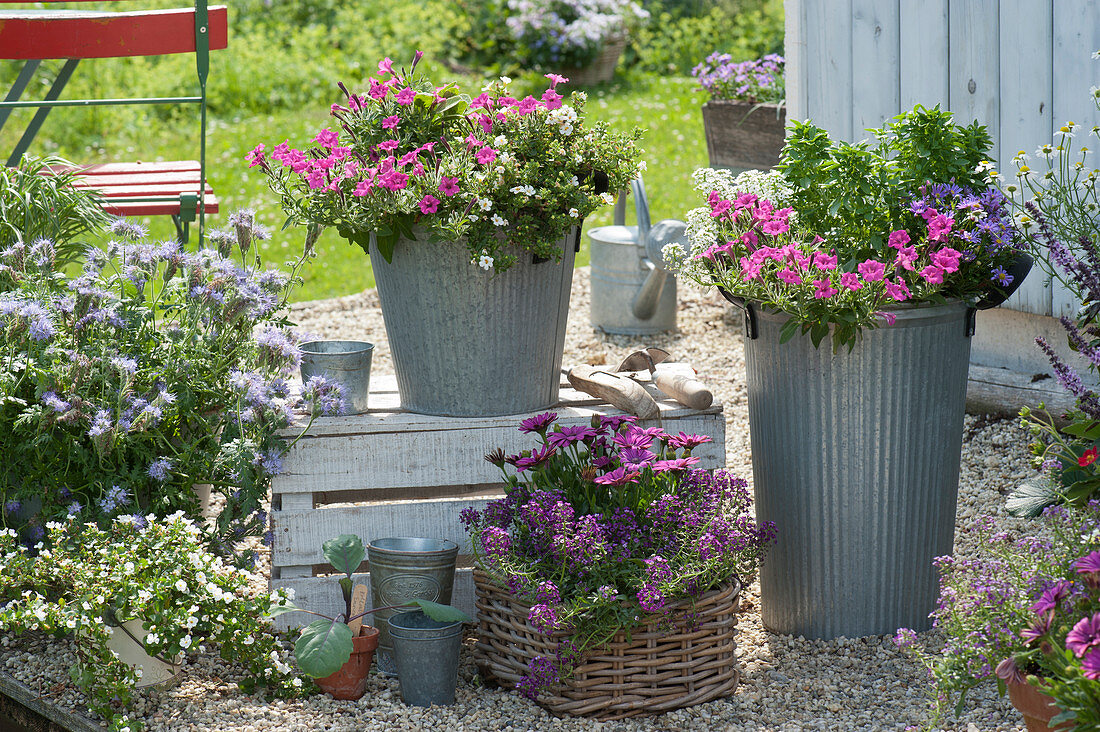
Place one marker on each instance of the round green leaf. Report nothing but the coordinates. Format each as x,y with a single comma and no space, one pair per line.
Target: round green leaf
323,648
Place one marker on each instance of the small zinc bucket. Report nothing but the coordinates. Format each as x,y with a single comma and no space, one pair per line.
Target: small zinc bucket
404,569
426,652
347,362
127,641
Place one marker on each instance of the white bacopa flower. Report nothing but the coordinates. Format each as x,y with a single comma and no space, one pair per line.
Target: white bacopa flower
128,567
185,641
297,682
499,220
191,622
485,262
505,158
474,217
607,197
181,585
500,141
575,181
574,213
505,80
138,671
248,640
486,204
578,158
152,638
565,129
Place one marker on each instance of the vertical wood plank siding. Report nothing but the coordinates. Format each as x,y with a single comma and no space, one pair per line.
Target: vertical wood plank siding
1021,67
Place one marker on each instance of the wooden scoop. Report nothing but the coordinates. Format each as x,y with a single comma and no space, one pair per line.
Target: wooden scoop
626,394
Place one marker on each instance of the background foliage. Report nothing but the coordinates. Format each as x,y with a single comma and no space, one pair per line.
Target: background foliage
279,75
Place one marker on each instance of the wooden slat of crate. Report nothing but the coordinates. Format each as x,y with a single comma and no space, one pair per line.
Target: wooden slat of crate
386,457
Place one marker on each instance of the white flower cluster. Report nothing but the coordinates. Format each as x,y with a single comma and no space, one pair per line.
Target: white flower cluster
564,117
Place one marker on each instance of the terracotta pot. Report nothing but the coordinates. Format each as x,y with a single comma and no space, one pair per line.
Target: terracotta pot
1038,708
350,682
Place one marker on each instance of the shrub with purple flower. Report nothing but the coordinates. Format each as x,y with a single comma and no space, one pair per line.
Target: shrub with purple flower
758,81
1028,610
146,371
842,233
599,532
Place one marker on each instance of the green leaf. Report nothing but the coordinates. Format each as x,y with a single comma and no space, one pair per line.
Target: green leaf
1086,430
443,613
788,331
345,553
385,244
276,610
323,647
362,238
1031,497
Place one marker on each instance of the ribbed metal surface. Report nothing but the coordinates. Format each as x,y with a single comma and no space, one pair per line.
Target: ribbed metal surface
855,456
426,652
403,569
468,342
346,362
617,275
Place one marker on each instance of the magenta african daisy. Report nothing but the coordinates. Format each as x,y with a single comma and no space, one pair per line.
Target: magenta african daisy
565,436
618,476
538,423
1084,636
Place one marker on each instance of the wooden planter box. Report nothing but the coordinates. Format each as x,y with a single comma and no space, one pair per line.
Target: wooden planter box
669,662
393,473
744,136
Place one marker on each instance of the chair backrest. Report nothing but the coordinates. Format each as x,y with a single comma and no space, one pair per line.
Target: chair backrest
74,35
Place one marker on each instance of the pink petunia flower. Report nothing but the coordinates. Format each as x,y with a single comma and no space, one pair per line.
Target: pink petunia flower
486,155
775,227
939,227
377,91
391,122
850,281
326,138
486,123
899,238
824,261
406,96
897,290
385,66
364,187
789,276
255,156
824,289
749,269
429,204
388,145
556,79
526,106
551,99
907,258
448,186
872,270
947,258
719,207
932,274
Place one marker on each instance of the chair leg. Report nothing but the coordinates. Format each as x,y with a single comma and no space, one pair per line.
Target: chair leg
182,229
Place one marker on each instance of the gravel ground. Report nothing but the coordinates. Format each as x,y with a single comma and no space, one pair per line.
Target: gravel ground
786,683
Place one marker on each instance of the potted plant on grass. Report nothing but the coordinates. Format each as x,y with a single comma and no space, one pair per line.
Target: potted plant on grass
467,207
744,119
337,651
608,557
137,596
582,38
857,268
1025,614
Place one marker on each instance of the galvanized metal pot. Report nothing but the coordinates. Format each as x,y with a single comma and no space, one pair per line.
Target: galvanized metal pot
426,651
855,456
468,342
403,569
347,362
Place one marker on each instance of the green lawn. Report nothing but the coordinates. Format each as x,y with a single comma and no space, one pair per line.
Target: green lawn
667,108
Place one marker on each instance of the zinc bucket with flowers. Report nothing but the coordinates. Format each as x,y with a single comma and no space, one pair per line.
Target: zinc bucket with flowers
470,210
858,270
611,556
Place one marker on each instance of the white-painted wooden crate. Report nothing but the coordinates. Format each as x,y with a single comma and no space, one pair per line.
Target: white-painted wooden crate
393,473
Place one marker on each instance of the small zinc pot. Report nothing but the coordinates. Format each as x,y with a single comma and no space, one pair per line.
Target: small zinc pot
127,641
602,68
426,652
743,136
404,569
350,682
1036,707
347,362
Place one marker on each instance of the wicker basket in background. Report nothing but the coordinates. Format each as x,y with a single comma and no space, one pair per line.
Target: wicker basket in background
671,661
602,67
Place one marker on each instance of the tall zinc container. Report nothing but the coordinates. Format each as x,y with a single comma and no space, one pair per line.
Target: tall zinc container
855,456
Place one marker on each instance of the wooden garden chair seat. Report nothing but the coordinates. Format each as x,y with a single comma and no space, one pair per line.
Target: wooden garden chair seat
178,189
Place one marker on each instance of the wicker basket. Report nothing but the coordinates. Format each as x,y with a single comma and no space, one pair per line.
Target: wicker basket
602,67
666,664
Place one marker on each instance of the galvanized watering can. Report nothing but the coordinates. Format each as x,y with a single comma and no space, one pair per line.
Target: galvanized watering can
632,292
